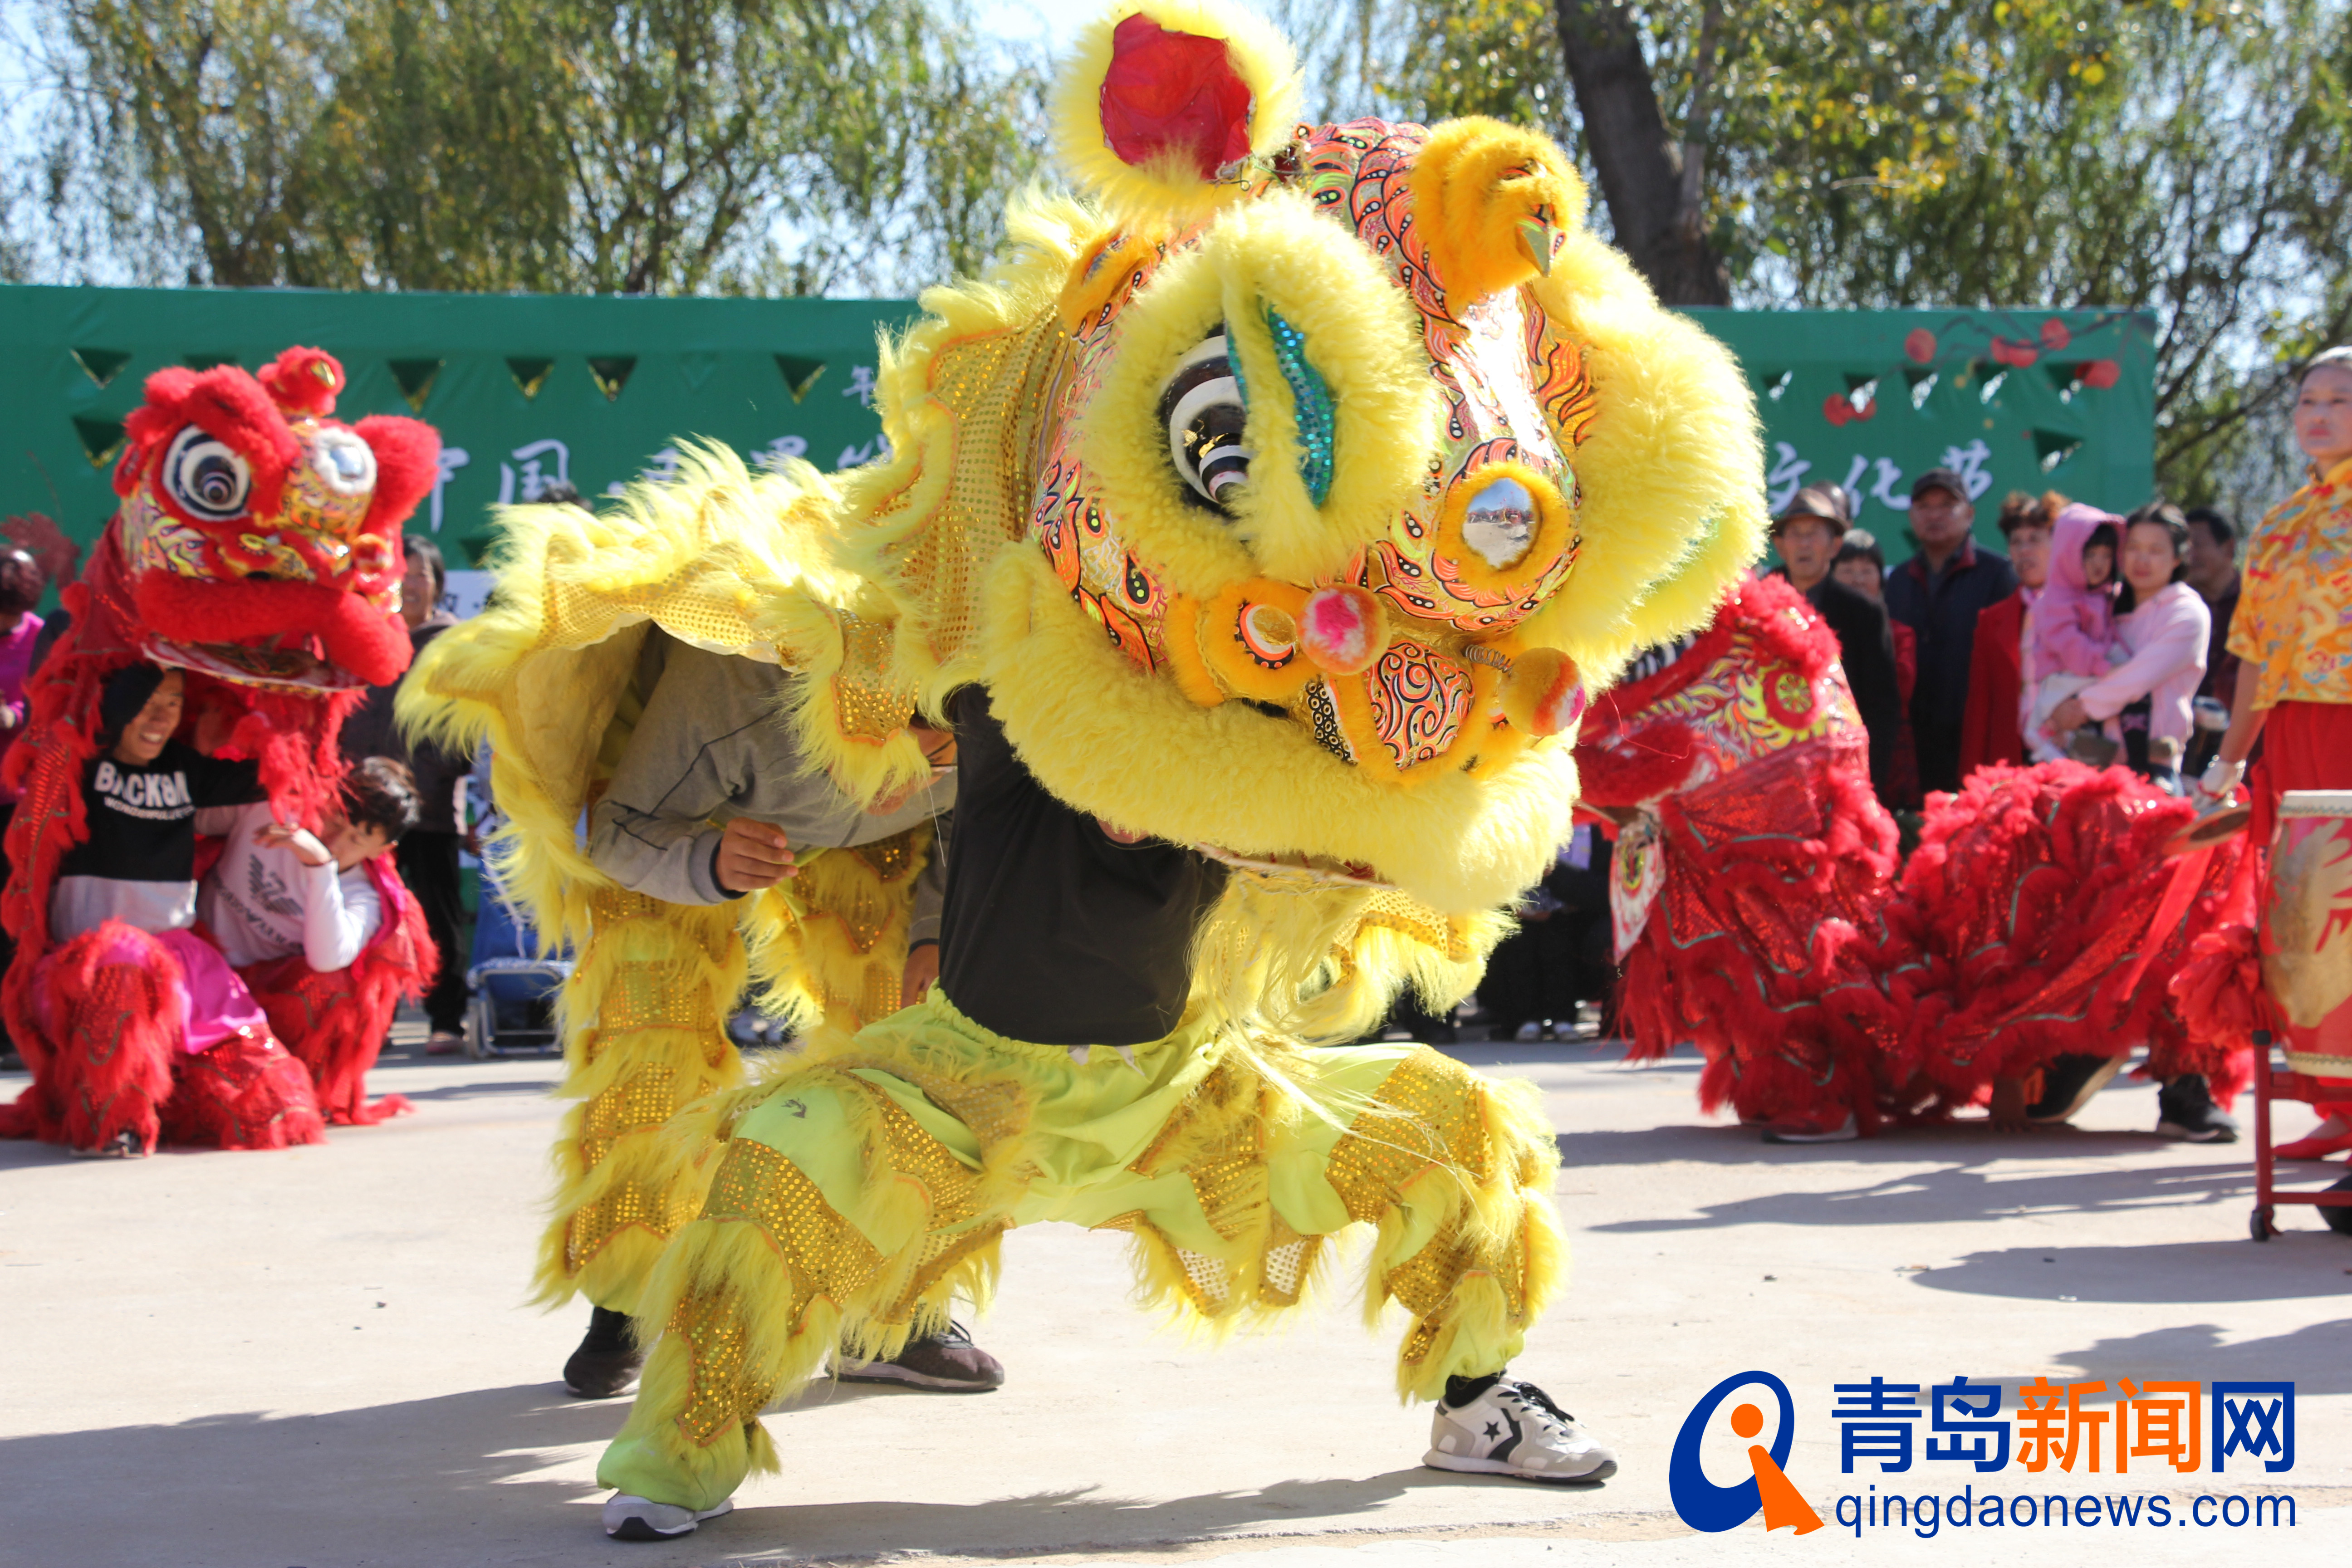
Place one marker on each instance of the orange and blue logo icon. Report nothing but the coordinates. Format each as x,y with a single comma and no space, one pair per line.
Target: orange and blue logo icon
1705,1505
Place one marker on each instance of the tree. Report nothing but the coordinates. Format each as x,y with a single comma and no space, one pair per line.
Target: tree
649,146
2191,158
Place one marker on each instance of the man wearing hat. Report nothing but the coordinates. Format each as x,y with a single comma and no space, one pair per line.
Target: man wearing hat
1939,593
1807,536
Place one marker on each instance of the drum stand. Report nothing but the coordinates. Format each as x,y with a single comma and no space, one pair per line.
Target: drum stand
2282,1085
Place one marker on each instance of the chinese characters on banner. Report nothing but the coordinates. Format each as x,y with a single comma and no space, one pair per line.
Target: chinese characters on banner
1869,479
526,473
2089,1428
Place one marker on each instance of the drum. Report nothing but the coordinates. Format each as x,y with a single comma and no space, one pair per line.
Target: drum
2307,931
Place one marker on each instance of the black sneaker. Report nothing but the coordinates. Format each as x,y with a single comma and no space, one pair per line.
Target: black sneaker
2185,1110
2068,1082
2338,1218
946,1362
607,1362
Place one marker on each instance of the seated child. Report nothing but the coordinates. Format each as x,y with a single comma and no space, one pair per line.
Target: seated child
2072,630
297,911
280,890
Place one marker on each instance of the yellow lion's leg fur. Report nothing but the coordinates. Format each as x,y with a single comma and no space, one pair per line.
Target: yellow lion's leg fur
641,1017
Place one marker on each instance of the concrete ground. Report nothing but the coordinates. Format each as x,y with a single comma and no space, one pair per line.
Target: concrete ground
322,1357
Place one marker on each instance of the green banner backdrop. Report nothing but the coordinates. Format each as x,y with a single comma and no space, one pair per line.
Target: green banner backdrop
529,389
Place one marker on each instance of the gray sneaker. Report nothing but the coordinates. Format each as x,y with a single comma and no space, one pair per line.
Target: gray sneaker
1514,1429
630,1518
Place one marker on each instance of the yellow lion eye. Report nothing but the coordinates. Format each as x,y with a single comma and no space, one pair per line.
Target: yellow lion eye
1201,404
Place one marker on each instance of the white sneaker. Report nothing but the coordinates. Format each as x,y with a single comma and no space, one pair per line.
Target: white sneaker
1514,1429
630,1518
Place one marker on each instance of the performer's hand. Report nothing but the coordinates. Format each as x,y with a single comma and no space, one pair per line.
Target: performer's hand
922,968
305,844
2066,718
753,855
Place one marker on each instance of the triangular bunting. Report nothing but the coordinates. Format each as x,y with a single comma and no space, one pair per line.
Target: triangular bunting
611,374
101,365
530,374
799,374
416,378
101,438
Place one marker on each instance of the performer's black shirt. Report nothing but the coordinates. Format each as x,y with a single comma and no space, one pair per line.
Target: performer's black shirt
141,819
1055,932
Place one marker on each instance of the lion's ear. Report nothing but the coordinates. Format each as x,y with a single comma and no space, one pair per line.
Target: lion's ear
1166,105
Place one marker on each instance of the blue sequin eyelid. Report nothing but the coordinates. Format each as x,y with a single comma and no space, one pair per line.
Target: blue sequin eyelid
1312,398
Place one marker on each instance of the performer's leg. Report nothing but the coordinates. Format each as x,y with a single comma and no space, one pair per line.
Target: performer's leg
1231,1201
640,1016
112,1008
428,867
845,1207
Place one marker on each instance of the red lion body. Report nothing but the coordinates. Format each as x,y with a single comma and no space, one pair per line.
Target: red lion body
258,550
1761,916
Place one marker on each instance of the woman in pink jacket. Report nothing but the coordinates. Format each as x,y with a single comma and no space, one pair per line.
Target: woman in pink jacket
2161,628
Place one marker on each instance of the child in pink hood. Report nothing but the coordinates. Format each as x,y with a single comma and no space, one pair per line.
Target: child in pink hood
2071,628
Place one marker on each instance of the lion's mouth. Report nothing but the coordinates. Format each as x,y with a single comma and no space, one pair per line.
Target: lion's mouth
296,669
1295,870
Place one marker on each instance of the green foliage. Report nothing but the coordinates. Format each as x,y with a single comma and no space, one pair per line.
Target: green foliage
652,146
2187,158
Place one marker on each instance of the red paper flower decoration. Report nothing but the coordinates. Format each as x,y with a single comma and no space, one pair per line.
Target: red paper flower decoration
1837,408
2054,335
2101,373
2019,354
1173,92
1920,345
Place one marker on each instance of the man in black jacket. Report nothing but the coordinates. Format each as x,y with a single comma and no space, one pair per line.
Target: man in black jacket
428,853
1939,593
1807,535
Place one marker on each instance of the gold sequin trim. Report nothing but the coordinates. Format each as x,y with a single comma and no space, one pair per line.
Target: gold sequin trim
594,1224
940,1256
827,1255
1289,1260
951,1186
993,387
1219,1132
1423,1282
646,1098
1401,912
866,703
1439,1124
721,1398
891,859
649,995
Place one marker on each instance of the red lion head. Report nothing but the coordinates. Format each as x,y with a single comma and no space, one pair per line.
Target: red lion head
260,537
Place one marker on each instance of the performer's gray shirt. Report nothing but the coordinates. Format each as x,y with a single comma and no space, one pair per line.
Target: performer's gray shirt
713,745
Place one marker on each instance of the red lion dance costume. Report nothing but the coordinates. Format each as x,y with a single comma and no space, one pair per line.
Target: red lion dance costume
258,551
1752,859
1758,912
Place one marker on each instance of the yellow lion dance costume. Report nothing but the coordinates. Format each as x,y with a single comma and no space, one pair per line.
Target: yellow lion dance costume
1279,499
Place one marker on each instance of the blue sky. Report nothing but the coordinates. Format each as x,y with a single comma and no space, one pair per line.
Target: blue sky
1056,22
